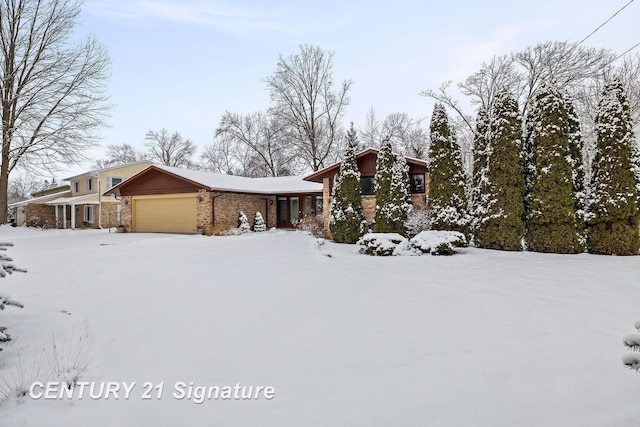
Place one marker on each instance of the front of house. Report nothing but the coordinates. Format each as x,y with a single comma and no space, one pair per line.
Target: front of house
84,206
173,200
366,160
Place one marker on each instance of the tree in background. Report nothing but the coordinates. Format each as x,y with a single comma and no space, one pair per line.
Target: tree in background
170,150
613,226
406,134
499,207
52,92
120,154
346,215
305,101
257,140
447,180
550,203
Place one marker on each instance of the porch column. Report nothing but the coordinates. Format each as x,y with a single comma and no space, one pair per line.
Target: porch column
57,221
64,216
73,216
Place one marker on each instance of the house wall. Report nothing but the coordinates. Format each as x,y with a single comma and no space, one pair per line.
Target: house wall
227,207
119,172
44,212
217,212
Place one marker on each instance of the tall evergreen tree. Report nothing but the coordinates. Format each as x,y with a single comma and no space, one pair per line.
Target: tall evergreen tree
577,167
447,180
383,180
551,214
393,207
614,216
499,155
346,213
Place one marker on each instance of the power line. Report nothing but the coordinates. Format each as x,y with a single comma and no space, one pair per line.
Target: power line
605,23
625,52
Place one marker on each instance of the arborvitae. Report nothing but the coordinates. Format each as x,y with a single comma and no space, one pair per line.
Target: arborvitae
346,213
551,214
447,180
383,179
243,223
393,206
499,153
577,167
614,217
258,223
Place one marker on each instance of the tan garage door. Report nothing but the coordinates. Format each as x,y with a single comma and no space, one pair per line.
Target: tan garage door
164,214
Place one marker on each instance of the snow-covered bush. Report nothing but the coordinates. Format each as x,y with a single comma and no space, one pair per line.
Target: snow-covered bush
418,219
243,223
632,342
258,223
312,224
383,244
438,242
7,267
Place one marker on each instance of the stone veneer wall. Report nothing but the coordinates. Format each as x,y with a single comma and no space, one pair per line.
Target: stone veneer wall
126,214
44,212
227,207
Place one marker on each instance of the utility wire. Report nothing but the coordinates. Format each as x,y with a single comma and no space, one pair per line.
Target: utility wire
605,23
625,52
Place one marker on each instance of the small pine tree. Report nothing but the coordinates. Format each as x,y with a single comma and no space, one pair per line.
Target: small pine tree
258,223
345,213
551,207
7,267
393,196
614,219
447,185
243,223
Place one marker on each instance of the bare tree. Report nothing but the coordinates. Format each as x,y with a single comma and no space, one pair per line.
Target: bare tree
120,154
405,133
264,134
170,150
305,100
21,187
52,93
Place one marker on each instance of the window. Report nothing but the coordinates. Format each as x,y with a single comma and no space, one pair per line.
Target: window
318,206
76,186
367,185
89,184
417,183
112,181
88,213
282,210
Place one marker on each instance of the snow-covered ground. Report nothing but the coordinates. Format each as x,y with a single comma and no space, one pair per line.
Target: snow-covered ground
482,338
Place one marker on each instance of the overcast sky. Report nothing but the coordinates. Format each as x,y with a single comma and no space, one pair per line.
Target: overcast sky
179,64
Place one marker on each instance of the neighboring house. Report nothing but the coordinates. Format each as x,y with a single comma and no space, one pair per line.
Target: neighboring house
174,200
418,175
84,206
33,211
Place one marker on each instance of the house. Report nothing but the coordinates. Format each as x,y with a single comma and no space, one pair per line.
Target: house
366,160
33,211
174,200
84,206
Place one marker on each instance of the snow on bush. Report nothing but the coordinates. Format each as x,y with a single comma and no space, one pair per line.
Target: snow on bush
258,223
632,342
438,242
312,224
243,223
435,242
418,219
383,244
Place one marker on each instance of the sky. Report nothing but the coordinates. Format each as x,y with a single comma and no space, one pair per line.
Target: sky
180,65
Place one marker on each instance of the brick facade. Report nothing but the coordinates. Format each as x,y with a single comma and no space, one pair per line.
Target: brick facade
227,206
43,212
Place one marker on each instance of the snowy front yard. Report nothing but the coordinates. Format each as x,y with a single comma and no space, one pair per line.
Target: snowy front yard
482,338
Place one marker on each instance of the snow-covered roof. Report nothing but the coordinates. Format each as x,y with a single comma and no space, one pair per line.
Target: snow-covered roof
85,200
221,182
39,199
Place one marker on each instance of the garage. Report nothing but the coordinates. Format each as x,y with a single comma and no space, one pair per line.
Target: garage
165,214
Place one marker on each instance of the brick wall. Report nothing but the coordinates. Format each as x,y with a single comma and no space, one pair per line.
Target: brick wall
125,215
227,207
44,212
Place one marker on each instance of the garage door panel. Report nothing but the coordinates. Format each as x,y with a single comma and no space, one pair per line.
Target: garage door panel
165,215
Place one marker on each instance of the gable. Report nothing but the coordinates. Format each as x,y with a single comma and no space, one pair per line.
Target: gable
155,181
